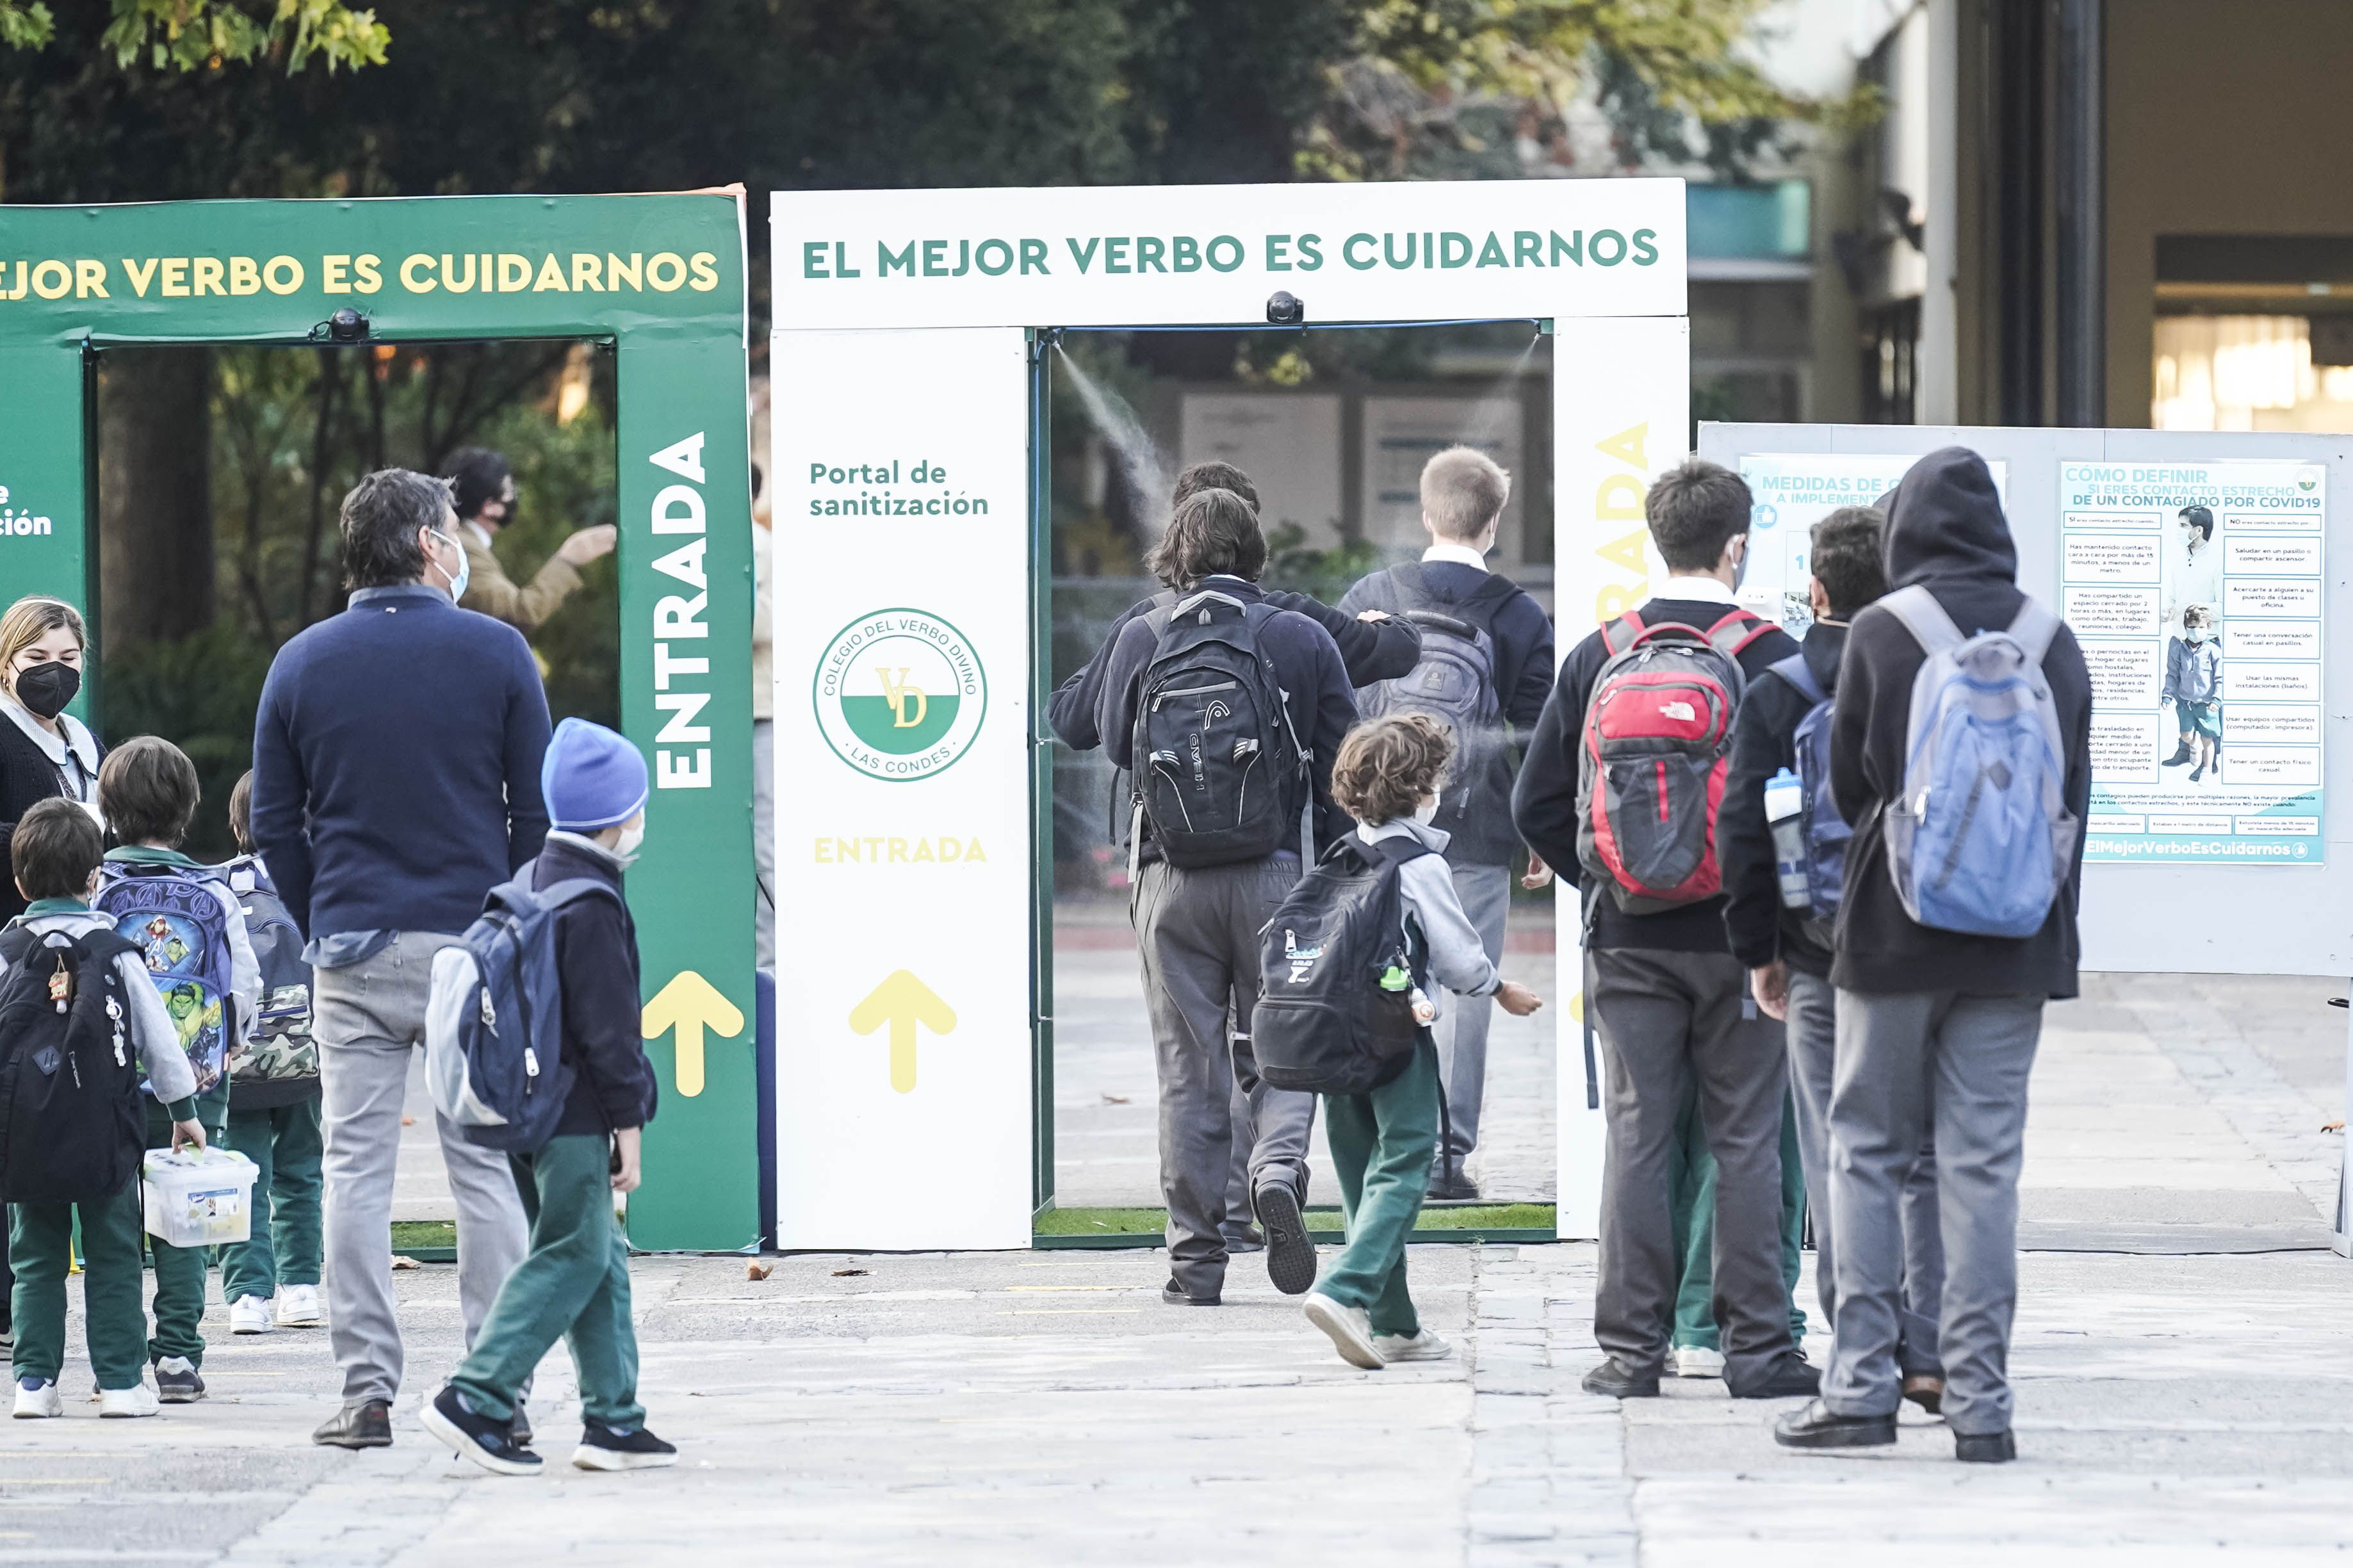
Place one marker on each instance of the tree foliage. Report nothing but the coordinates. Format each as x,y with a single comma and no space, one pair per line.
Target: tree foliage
189,35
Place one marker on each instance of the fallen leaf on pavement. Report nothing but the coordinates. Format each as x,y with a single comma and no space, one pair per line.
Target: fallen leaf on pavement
847,1273
758,1270
401,1260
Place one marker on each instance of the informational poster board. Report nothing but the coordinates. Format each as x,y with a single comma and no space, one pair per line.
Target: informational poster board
2195,589
1790,493
1402,434
1288,446
2197,875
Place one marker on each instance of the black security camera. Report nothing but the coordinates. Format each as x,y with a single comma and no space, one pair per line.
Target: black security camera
1285,308
347,326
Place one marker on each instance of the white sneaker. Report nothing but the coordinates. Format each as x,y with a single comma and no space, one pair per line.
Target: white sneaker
1423,1346
1351,1331
124,1403
38,1400
250,1315
1698,1360
298,1307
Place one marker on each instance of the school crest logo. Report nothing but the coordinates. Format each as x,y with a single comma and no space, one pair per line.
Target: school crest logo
900,694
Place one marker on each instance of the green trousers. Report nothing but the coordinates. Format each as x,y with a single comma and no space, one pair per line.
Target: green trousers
180,1271
286,1244
40,1244
1694,1213
1382,1145
574,1286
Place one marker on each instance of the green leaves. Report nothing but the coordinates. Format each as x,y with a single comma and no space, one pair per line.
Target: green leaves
206,35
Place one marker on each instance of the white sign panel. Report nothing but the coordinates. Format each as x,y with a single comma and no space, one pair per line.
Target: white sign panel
1135,256
903,832
1290,446
2195,588
1402,434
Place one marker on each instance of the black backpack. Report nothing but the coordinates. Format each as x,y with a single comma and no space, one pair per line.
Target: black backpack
1324,1021
71,1126
1214,749
1454,683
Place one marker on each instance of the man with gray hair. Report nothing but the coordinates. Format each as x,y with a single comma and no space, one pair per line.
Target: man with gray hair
395,780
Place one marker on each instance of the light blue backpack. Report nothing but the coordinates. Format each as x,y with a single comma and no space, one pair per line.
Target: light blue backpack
1981,839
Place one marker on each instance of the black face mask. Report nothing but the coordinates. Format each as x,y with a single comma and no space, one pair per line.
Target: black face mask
45,689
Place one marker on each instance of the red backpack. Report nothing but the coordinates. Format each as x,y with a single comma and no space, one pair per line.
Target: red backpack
1657,742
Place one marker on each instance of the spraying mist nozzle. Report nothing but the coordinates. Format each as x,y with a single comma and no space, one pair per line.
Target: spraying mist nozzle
1285,309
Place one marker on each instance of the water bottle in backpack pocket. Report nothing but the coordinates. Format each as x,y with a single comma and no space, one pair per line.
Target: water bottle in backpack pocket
1214,751
1654,750
72,1128
178,920
1980,841
495,1019
1337,980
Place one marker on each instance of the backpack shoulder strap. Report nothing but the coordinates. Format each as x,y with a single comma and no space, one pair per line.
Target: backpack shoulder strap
1398,848
2032,628
1201,596
1925,618
1736,630
572,890
1623,633
1796,671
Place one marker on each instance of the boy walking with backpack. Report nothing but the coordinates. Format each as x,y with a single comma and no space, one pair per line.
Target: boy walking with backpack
1621,782
1960,749
188,926
1388,943
272,1280
574,1284
76,994
1227,713
1486,667
1781,932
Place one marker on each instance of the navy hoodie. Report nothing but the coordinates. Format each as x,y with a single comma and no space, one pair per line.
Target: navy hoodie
1946,531
596,958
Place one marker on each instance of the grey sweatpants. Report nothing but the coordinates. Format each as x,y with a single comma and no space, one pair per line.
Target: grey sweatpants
1462,1030
1668,1021
1910,1064
1813,1046
1197,933
371,1015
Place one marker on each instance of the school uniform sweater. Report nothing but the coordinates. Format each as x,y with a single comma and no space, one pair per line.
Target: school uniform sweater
1544,804
1946,531
396,764
1763,741
596,959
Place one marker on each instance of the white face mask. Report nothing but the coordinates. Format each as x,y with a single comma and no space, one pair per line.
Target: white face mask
1428,810
633,835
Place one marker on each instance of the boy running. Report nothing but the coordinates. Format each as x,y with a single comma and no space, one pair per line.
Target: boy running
1388,776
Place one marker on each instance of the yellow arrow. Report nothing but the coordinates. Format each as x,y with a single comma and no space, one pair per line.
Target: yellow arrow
903,1002
690,1003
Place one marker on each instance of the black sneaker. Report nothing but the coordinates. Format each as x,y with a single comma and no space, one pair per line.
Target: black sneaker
489,1443
367,1425
1290,1255
603,1448
1984,1447
1455,1188
1819,1427
1249,1238
1175,1295
177,1380
1791,1377
1614,1380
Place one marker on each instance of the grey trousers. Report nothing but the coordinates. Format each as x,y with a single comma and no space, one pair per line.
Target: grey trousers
371,1015
1813,1046
1910,1064
1667,1022
1462,1030
1197,933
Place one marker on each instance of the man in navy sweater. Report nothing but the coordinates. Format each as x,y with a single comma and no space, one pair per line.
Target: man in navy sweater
395,780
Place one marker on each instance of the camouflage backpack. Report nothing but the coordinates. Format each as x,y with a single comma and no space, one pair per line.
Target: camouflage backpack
282,1048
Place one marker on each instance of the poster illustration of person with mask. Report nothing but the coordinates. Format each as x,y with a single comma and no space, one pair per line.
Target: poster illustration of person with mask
2195,590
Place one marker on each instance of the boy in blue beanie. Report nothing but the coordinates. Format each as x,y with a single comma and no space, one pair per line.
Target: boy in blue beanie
575,1284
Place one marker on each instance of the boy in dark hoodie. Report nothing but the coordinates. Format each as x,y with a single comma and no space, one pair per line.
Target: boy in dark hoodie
574,1284
1671,1008
1937,1030
1787,951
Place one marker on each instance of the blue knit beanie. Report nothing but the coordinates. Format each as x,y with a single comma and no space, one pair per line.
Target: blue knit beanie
592,778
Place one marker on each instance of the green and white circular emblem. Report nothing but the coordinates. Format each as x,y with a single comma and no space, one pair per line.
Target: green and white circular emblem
900,694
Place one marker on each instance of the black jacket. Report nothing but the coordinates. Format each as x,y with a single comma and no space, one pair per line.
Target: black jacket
26,777
1370,650
1544,803
596,954
1945,529
1763,741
